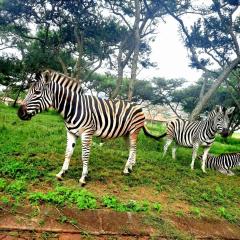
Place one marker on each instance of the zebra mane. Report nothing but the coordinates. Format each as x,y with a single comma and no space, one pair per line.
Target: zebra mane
68,82
218,109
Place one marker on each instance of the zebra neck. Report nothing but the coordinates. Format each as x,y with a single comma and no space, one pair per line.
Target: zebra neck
210,128
64,99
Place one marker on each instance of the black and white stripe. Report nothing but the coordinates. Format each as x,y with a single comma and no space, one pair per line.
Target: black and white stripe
223,163
84,116
194,134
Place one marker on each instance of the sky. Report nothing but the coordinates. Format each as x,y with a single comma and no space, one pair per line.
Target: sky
170,55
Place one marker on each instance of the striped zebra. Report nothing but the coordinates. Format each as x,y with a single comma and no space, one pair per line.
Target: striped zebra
223,163
84,116
194,134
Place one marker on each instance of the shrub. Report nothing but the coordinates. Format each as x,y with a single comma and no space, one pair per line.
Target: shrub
3,184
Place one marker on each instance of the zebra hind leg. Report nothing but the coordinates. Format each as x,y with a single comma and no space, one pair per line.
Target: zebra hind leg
174,149
71,141
166,146
132,153
194,155
86,145
204,158
223,171
230,173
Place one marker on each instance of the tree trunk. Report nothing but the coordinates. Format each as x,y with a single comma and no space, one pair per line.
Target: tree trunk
79,38
119,74
135,51
202,102
63,65
203,88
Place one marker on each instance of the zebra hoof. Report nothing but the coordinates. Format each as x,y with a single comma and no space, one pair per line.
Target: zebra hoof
126,172
59,177
82,183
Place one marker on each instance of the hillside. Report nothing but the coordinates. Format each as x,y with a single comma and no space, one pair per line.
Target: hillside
32,152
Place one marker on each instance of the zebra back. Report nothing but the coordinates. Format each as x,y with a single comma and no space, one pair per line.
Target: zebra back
223,161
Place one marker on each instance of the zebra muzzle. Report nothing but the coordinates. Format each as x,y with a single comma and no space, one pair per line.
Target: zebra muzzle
225,133
22,113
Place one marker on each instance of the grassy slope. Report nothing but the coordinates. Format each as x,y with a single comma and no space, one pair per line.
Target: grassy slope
32,152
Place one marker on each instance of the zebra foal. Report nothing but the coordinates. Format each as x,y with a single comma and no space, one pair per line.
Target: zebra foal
223,163
194,134
84,116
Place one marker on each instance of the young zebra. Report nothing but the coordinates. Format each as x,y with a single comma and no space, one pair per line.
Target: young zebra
84,116
198,133
223,163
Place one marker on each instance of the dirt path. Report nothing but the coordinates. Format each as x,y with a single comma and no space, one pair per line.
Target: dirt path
49,222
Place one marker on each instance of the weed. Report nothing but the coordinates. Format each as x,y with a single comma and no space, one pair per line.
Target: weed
195,211
16,188
3,184
180,213
62,195
131,206
223,212
157,207
5,200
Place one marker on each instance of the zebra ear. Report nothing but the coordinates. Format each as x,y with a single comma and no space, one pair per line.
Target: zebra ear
38,75
218,108
230,110
47,76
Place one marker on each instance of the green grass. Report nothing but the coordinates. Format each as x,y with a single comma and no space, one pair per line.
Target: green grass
32,152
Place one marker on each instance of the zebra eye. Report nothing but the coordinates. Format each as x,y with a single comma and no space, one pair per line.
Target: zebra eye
37,92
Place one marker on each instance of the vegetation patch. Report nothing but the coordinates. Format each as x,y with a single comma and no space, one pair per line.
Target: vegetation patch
31,159
64,196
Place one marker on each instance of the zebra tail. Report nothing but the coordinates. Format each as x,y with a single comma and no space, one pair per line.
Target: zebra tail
148,134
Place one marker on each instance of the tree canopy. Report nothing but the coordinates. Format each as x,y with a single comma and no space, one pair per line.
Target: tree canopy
79,38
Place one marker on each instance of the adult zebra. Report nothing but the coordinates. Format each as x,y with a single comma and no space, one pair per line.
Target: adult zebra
223,163
84,116
198,133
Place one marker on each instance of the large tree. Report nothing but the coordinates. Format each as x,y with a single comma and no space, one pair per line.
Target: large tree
59,29
212,41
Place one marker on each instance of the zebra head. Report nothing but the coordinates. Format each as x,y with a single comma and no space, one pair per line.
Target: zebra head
221,119
38,97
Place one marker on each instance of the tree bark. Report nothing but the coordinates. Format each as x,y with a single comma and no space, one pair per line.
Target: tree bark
63,65
135,51
79,38
202,102
203,88
119,73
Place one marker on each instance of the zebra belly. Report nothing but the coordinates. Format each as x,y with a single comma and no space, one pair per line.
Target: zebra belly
114,132
184,143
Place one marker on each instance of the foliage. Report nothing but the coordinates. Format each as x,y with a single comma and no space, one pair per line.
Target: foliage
3,184
227,95
17,187
62,196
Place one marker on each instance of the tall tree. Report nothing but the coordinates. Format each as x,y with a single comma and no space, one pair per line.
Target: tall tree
60,28
212,40
139,20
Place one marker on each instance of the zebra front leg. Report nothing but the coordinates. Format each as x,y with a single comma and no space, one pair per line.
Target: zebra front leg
166,146
194,155
86,144
204,158
71,142
132,153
